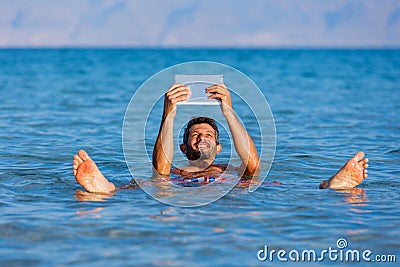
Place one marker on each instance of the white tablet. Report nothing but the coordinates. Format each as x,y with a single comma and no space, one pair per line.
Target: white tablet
198,84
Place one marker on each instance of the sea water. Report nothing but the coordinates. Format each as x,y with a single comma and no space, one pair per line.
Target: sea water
327,105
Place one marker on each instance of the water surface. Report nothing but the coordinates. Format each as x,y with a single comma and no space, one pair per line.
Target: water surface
327,105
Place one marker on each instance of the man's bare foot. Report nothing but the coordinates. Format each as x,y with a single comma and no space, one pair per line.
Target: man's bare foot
89,176
350,175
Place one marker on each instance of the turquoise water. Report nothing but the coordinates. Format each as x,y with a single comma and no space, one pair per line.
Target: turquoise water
327,105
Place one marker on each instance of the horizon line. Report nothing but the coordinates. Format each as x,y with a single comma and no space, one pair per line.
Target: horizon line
163,47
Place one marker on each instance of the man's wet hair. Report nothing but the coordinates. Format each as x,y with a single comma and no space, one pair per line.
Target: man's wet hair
199,120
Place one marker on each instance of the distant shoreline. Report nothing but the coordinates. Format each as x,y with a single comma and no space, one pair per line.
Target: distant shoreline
328,48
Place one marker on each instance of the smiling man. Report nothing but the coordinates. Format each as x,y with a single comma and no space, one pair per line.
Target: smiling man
200,140
201,146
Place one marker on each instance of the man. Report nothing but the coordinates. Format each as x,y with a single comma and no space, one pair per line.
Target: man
201,145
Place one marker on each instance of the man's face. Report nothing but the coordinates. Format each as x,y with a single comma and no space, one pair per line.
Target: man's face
201,143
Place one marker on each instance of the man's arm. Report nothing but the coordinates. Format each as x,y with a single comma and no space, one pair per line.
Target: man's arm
244,144
164,147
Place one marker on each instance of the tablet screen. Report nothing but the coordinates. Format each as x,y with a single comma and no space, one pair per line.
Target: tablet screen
198,85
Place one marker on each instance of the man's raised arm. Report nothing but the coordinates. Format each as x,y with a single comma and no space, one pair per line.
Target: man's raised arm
244,144
164,147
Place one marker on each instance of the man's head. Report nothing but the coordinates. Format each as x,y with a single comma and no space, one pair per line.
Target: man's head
201,139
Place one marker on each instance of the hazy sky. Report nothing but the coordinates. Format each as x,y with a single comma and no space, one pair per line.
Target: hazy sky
201,23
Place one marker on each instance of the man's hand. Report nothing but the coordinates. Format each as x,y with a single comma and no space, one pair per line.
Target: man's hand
221,93
175,94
